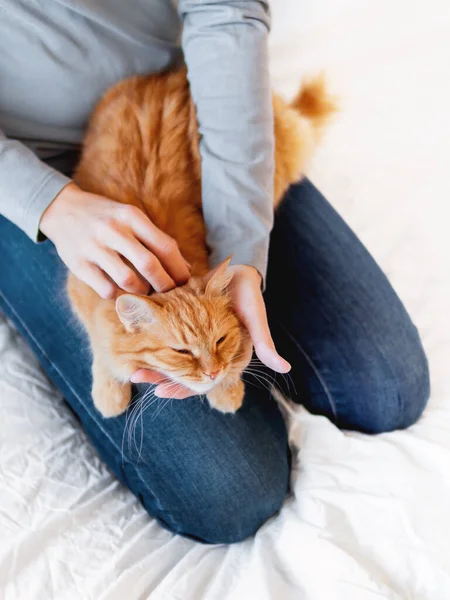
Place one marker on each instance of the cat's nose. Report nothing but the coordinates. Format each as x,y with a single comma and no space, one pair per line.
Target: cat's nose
212,374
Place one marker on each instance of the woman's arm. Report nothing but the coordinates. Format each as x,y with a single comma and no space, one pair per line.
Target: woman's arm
27,185
91,233
225,49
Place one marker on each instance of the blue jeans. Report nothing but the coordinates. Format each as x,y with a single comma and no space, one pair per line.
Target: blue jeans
356,356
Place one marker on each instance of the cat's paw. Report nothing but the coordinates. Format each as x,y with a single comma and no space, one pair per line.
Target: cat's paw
227,399
111,397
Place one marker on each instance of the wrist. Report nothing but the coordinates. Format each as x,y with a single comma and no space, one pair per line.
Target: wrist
248,272
57,208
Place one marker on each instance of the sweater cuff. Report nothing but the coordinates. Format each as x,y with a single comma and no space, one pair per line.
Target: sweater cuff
252,254
41,200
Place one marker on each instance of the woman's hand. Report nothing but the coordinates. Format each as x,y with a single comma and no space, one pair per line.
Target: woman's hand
93,235
249,304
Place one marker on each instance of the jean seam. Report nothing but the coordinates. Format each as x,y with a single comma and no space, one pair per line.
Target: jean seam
317,373
105,433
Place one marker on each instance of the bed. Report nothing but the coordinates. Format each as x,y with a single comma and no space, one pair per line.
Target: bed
368,517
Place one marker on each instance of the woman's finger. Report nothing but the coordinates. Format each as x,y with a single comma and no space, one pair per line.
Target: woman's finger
163,246
122,274
143,261
95,278
147,376
173,390
166,387
249,304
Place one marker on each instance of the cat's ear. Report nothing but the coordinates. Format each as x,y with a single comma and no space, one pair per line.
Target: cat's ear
135,311
218,280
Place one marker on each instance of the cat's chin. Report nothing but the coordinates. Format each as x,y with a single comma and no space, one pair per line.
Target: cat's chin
201,388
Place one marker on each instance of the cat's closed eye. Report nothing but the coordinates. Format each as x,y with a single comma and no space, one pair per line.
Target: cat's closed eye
222,339
182,350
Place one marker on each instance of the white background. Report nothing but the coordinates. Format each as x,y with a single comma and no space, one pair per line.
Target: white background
370,516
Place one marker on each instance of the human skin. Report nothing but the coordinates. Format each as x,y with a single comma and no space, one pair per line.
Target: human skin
93,234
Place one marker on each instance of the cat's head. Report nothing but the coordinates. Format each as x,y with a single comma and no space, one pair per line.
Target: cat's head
189,334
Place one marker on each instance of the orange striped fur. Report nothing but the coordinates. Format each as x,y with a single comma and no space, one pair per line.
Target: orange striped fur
142,149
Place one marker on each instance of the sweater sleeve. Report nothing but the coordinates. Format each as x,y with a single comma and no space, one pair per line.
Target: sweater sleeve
27,185
225,49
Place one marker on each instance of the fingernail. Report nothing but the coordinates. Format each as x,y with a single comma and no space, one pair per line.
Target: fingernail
283,364
286,365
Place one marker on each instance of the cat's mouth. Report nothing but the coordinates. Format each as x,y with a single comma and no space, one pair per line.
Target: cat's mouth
201,386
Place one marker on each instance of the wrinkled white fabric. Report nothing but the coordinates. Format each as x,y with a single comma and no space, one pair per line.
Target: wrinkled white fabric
369,516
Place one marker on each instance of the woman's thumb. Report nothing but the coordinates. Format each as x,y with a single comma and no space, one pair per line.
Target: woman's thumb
250,306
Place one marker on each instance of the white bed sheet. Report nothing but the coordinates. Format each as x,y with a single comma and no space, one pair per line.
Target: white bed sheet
369,516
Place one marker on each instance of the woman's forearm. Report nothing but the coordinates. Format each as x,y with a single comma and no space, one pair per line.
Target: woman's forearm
27,185
225,47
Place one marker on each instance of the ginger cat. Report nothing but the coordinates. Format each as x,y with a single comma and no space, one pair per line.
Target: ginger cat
142,149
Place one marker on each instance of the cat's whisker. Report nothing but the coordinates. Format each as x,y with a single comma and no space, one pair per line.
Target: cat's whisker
128,421
131,421
259,368
249,382
266,386
262,379
254,369
163,405
143,407
286,376
131,425
262,375
127,417
149,400
173,386
263,383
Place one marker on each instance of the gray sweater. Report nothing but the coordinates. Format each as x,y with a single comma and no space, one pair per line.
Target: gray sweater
57,57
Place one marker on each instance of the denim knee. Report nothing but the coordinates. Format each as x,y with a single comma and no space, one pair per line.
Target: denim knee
228,508
237,510
385,399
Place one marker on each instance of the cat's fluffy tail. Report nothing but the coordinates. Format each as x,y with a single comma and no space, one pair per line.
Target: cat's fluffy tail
315,103
298,129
